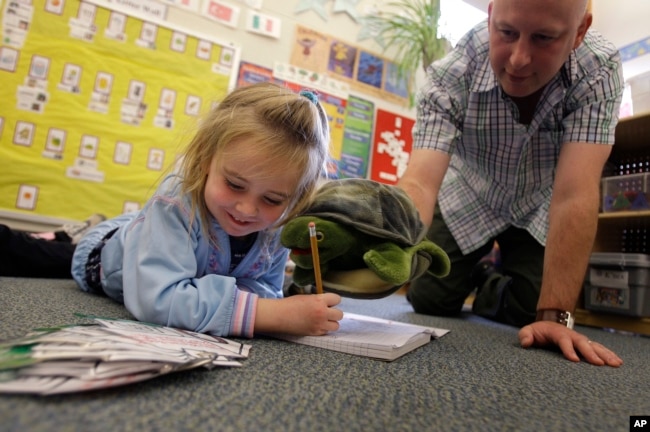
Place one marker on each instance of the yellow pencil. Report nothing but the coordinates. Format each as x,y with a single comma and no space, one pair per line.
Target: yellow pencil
314,254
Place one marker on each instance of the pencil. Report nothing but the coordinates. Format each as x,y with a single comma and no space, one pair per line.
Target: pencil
314,254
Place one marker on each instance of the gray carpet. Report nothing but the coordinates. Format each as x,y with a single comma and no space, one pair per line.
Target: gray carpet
474,378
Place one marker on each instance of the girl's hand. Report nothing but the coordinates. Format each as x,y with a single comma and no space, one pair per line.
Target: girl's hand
304,315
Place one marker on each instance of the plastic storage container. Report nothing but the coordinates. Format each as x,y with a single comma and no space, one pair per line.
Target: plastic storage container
618,283
626,192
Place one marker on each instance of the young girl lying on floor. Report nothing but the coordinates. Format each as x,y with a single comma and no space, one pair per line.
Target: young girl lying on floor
204,252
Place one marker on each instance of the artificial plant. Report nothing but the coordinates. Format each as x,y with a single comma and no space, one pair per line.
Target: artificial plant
409,28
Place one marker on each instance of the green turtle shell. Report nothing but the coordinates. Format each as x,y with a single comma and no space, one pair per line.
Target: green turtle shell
374,208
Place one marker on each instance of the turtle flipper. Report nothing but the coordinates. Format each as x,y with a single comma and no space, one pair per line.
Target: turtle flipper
396,265
428,256
390,262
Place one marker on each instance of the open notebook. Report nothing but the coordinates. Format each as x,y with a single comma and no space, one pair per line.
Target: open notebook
371,337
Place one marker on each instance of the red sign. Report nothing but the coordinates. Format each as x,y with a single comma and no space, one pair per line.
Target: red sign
391,146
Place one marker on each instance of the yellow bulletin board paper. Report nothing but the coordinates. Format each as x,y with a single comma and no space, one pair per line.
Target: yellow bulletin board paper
96,103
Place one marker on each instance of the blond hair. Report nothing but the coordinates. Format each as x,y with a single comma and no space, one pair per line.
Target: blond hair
290,128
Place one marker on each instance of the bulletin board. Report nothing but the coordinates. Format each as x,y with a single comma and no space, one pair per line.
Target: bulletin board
97,103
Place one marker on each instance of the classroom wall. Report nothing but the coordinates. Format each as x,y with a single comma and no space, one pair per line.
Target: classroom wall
265,51
640,93
109,185
344,20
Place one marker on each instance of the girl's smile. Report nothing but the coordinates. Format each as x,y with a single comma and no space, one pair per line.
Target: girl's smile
242,193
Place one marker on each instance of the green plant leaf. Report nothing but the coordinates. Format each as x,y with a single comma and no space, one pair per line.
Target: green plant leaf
412,33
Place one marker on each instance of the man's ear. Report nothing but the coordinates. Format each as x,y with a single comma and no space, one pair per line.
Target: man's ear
582,29
489,13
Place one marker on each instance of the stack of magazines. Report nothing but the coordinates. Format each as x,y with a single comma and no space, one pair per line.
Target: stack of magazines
107,353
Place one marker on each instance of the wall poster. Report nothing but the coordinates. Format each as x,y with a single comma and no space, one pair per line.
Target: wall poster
96,102
364,71
357,138
391,147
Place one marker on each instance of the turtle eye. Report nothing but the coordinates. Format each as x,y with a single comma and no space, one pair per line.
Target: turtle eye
319,235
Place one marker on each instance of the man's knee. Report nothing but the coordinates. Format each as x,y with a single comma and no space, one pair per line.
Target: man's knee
430,299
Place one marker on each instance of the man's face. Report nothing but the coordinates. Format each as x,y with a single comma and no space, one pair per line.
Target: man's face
531,39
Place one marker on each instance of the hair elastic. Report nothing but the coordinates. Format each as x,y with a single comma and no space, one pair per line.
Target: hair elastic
311,95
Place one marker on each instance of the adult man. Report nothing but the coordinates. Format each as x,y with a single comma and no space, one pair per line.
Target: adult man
514,127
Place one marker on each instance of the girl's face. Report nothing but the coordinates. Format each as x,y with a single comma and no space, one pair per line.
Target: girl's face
243,193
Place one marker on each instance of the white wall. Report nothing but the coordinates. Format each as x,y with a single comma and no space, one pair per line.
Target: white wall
265,51
640,89
623,23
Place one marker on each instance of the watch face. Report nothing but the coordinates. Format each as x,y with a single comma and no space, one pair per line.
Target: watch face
556,315
565,318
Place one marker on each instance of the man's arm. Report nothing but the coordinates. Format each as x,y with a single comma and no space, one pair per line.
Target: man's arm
573,220
422,180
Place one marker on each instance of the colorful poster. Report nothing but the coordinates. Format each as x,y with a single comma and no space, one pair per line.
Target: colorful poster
311,50
262,24
371,69
335,109
250,73
334,101
96,104
357,138
221,12
342,59
395,82
392,145
362,70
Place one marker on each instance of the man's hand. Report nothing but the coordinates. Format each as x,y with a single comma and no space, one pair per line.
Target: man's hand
546,333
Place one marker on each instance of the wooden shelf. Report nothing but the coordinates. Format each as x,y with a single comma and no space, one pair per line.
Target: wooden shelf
618,322
615,228
625,214
632,135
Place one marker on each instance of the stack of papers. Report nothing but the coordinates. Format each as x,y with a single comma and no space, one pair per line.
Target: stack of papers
108,353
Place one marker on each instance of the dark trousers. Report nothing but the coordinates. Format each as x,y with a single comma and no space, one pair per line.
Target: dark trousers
22,255
509,296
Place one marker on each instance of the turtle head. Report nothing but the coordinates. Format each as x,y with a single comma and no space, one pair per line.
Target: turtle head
334,239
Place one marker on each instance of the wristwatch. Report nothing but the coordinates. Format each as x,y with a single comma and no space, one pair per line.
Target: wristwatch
556,315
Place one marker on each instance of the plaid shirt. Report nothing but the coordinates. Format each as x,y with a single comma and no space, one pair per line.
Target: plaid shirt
501,171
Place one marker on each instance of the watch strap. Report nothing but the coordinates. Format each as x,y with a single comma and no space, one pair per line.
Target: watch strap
556,315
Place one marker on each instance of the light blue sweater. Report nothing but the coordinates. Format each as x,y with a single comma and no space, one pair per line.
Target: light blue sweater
161,266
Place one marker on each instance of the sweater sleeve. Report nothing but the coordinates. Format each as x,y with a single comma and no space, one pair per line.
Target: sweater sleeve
161,280
243,317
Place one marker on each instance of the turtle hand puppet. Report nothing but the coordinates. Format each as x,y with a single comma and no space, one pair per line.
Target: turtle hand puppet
370,239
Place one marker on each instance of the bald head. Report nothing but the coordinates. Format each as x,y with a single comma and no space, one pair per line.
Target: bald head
577,9
531,39
581,8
